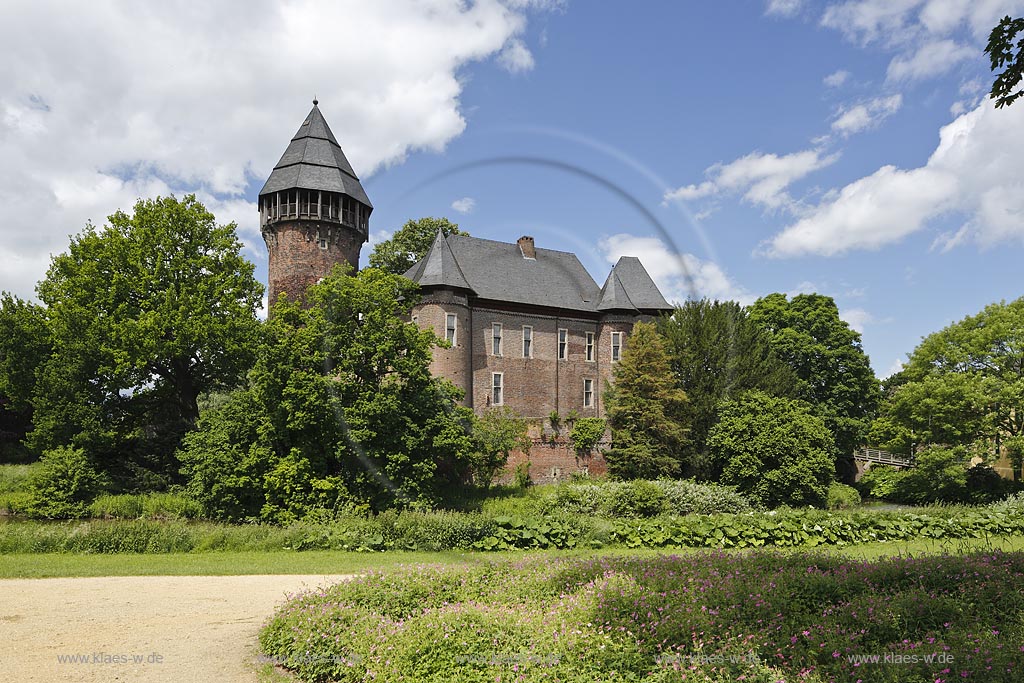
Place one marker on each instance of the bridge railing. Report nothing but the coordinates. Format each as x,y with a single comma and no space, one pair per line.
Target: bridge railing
883,457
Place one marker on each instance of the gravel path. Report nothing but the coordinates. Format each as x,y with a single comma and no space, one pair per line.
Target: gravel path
146,629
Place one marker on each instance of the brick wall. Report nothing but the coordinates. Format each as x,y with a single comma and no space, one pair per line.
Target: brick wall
297,259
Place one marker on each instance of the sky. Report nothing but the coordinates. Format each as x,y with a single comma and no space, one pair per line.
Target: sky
738,148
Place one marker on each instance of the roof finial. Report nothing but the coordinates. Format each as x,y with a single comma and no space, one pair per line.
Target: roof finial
315,101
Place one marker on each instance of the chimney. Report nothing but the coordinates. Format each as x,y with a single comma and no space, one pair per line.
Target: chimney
526,246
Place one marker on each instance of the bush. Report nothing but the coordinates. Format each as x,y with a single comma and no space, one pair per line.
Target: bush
638,498
939,475
62,485
841,497
880,482
686,496
984,485
586,433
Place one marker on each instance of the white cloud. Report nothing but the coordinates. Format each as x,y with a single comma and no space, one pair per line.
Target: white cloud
105,102
857,318
762,178
867,114
974,173
836,79
784,8
895,367
929,60
516,57
678,276
464,205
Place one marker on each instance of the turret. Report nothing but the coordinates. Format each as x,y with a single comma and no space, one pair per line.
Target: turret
314,213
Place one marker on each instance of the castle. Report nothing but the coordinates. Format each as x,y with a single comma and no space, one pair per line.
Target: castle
529,327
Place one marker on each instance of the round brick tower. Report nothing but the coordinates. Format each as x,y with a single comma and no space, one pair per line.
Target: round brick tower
314,213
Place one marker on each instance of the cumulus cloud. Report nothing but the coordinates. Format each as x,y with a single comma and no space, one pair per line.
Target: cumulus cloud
931,59
974,174
856,318
464,205
866,114
762,178
836,78
679,276
105,102
783,8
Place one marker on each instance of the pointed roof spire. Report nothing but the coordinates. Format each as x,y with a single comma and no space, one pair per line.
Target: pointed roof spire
439,268
629,287
314,161
613,295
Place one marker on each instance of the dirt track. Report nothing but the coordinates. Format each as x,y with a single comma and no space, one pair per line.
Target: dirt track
147,629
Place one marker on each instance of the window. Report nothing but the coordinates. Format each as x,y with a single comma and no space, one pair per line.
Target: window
616,346
590,346
323,243
496,339
527,341
449,328
563,344
496,389
588,393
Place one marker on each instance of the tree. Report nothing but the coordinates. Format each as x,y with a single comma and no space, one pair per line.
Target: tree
410,244
341,412
833,373
497,433
145,316
646,411
774,449
1000,50
586,433
716,353
24,345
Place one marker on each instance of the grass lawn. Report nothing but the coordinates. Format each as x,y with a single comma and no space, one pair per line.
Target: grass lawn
49,565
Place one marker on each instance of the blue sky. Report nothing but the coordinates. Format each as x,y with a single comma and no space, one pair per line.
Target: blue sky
846,148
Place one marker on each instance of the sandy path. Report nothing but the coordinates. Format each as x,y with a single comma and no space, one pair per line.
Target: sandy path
184,628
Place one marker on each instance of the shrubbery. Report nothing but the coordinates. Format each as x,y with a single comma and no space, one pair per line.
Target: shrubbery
62,484
841,497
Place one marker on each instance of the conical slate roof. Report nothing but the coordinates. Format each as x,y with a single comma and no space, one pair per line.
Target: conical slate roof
613,295
439,268
314,161
630,288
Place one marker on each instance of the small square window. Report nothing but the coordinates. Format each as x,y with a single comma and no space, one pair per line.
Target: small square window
563,344
590,346
497,395
450,322
616,346
527,341
496,339
588,393
323,243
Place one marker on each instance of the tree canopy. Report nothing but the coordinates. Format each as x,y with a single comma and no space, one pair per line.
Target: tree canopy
647,412
144,316
717,353
1002,53
833,373
410,243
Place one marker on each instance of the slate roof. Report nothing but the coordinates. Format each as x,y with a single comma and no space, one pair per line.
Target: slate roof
497,271
314,161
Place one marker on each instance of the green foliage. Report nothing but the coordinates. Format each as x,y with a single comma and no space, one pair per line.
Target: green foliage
14,478
410,243
880,482
62,484
940,475
144,316
646,411
638,498
1000,50
758,617
145,506
774,450
522,475
841,497
342,412
717,353
833,373
496,433
586,433
24,346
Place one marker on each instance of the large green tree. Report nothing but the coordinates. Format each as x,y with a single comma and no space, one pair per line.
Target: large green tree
145,315
341,411
1003,52
774,449
717,353
833,373
497,433
24,345
647,412
410,243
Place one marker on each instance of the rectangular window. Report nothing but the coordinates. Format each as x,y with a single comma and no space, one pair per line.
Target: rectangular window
616,346
497,396
449,328
590,346
588,393
527,341
563,344
496,339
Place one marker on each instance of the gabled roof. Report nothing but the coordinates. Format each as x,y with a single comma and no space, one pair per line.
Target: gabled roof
629,287
439,267
314,161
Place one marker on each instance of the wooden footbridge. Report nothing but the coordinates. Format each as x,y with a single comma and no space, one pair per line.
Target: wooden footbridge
880,457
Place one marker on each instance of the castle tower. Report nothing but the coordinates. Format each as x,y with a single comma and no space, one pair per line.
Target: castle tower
314,213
